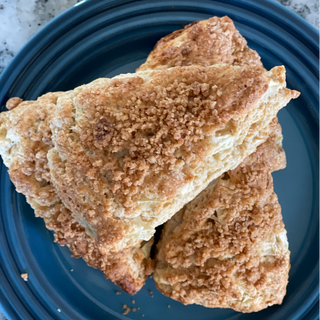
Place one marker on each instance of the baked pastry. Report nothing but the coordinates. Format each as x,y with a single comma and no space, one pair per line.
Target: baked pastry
130,151
228,247
24,149
207,42
25,153
25,138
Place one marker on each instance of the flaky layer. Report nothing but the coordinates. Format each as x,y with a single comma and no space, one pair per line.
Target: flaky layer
228,247
129,152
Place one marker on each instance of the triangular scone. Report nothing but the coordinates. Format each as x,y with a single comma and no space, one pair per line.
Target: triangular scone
228,247
25,138
207,42
131,151
29,171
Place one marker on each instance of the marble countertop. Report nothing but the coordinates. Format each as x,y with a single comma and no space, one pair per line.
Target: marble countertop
20,19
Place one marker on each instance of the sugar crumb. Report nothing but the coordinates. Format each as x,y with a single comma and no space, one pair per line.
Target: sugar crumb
24,276
71,270
126,309
59,310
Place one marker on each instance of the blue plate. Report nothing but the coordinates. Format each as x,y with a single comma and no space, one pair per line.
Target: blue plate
105,38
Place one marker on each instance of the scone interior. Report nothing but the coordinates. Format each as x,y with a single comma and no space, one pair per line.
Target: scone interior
130,151
228,247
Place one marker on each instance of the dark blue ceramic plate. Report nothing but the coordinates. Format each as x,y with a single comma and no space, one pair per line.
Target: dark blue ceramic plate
105,38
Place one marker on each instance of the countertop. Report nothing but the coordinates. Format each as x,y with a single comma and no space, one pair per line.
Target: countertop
20,19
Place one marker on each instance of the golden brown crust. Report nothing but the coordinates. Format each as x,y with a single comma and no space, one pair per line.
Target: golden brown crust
128,268
228,248
29,123
25,140
13,102
123,140
207,42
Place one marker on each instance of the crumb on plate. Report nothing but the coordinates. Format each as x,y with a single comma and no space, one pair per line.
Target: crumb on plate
24,276
126,309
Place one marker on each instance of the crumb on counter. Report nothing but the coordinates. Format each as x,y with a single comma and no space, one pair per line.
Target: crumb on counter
169,306
24,276
134,309
126,309
118,293
133,301
138,308
143,315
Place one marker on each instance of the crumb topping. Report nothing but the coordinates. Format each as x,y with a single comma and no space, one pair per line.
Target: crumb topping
27,162
166,139
218,248
207,42
140,138
137,129
29,171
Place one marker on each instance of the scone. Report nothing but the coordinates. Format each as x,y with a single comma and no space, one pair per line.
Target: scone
131,151
31,176
228,247
25,138
24,149
207,42
24,143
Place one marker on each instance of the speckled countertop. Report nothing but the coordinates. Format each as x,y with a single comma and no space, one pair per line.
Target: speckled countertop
20,19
